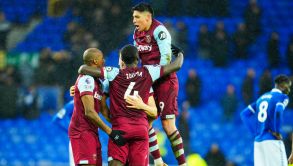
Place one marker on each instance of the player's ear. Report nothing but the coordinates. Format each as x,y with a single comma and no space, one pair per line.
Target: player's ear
95,61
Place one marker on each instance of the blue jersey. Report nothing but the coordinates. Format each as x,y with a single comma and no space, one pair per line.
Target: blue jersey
62,118
265,115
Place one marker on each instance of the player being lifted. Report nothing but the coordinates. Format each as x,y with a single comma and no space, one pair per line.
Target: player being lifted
264,119
131,119
85,120
154,45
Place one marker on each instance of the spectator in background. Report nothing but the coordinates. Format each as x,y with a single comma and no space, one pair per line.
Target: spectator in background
183,126
71,30
220,46
5,27
241,41
193,88
248,86
265,82
273,50
289,55
204,42
44,73
215,157
182,34
252,18
9,83
229,102
175,7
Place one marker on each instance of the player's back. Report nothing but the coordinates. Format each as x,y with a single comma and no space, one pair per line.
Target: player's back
129,81
265,112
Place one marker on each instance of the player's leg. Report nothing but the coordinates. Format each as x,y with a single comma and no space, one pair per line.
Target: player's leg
274,153
166,93
175,140
71,160
84,149
115,163
118,155
153,145
138,146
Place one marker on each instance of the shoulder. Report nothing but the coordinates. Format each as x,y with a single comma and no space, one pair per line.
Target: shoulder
161,32
86,79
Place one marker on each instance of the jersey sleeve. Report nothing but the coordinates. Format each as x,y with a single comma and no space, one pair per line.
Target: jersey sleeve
279,110
248,118
105,86
163,38
155,71
86,85
110,73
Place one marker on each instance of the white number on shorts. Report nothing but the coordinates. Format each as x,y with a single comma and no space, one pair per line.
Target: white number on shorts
129,89
262,114
162,105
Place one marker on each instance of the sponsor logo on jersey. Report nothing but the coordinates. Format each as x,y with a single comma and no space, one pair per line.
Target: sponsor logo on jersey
97,96
109,69
162,35
142,48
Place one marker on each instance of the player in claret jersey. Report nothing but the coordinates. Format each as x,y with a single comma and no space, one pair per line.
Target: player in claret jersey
153,42
127,81
85,120
264,119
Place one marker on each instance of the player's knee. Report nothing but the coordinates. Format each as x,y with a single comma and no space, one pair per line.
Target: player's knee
115,163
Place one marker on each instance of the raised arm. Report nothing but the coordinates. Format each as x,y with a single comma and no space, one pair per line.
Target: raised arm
88,70
175,65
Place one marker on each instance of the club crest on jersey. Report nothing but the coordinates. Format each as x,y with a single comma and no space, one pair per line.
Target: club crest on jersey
162,35
148,38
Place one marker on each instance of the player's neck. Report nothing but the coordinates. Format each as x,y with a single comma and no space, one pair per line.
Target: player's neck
131,66
149,25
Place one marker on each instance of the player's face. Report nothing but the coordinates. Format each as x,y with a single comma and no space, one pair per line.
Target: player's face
140,20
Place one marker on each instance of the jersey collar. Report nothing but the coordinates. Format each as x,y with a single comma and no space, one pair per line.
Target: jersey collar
276,90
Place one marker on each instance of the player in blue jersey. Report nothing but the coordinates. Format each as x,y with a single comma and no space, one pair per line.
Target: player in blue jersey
264,120
62,119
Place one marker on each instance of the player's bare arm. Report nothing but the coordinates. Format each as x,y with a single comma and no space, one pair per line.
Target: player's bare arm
175,65
104,108
88,103
88,70
136,102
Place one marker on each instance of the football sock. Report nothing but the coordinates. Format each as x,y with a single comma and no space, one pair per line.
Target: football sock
154,148
177,147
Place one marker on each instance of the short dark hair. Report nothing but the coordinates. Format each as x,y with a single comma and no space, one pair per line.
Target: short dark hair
282,79
143,7
129,54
